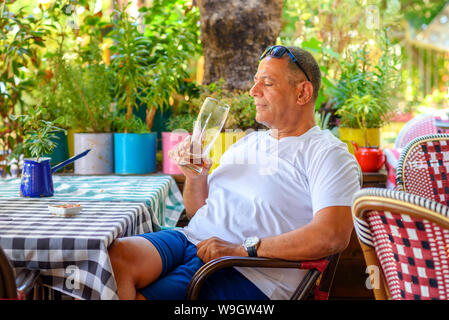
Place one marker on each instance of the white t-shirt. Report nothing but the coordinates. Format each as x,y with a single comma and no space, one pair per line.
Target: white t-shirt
265,187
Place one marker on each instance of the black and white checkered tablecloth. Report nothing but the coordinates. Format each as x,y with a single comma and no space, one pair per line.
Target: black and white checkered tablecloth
70,252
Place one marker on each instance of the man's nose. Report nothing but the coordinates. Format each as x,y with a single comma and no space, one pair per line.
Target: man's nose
254,91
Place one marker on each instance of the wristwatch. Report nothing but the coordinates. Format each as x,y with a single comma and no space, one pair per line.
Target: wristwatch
251,245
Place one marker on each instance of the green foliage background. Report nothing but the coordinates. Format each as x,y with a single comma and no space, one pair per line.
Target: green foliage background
44,51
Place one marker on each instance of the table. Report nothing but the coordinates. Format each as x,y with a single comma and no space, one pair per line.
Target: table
159,192
71,253
375,179
442,125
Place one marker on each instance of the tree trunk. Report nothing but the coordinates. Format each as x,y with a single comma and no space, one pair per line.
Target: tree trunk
234,33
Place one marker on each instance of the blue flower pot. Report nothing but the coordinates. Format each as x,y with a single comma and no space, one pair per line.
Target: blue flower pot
135,153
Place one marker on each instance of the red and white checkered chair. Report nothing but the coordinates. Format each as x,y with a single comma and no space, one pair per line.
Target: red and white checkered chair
404,239
423,168
417,127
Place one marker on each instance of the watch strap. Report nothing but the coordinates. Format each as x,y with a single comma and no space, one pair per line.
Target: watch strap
252,251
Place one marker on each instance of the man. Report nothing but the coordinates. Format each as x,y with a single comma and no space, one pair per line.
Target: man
288,196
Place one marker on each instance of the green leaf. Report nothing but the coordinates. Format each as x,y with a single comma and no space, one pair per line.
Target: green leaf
331,53
313,45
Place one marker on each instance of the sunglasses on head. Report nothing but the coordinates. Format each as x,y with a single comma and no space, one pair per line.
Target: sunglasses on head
278,52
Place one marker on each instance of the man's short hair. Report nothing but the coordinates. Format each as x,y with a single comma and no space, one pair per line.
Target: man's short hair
309,64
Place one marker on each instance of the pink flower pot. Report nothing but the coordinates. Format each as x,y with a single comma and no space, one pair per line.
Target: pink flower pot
169,140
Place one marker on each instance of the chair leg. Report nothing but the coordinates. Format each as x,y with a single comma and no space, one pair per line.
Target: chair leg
324,288
37,291
51,294
306,285
41,292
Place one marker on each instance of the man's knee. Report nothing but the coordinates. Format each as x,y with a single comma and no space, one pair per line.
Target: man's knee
124,253
134,258
119,253
115,248
140,296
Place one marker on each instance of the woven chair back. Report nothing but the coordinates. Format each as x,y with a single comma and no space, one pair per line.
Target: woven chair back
413,255
423,168
417,127
408,238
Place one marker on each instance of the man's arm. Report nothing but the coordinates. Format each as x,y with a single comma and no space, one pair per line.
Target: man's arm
195,193
328,233
196,189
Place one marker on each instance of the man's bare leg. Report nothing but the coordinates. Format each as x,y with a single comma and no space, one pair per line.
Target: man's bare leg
136,264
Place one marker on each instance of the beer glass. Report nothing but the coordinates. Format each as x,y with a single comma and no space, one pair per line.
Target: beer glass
206,129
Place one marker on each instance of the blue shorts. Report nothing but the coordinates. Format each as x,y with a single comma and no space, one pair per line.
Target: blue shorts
179,264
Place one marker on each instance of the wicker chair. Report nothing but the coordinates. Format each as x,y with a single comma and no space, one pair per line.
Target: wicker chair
420,126
423,168
16,284
312,285
404,239
8,288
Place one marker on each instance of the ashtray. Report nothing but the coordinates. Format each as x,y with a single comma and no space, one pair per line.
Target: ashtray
65,210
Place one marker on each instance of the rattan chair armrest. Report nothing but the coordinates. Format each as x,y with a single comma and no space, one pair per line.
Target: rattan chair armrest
234,261
7,279
25,282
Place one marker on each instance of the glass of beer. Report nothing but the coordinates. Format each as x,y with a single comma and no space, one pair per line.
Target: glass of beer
206,129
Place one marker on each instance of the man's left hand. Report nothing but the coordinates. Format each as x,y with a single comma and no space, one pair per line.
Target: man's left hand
214,247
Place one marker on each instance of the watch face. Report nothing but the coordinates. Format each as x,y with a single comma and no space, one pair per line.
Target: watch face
251,241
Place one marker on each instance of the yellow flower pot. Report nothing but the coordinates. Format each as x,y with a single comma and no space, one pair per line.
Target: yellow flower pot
348,135
71,141
223,142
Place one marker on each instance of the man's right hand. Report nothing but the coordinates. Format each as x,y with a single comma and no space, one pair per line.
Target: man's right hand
196,189
179,155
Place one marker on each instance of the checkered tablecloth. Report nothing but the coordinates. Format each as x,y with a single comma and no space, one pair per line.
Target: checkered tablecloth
69,252
159,192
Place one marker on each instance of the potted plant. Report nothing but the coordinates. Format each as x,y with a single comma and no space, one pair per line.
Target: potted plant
21,39
130,61
94,121
133,146
240,120
179,126
39,139
149,67
92,118
46,95
370,157
82,96
80,90
363,96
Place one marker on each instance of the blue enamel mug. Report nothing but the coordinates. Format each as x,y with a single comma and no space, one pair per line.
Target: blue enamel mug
37,179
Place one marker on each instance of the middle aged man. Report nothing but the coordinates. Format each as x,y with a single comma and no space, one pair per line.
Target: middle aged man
283,193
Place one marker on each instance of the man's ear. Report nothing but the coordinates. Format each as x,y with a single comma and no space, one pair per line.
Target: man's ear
304,92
